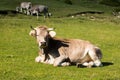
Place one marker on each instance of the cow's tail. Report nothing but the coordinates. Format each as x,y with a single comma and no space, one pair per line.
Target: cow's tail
95,53
98,53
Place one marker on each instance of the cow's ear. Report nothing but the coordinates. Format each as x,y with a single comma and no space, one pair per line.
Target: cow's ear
52,33
32,33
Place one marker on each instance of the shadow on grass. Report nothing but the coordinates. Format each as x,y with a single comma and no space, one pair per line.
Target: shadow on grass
107,63
104,64
6,12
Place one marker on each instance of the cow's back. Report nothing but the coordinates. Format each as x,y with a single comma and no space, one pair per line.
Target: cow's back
43,8
24,4
40,8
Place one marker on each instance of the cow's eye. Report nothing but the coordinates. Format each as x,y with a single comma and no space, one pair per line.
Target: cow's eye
36,35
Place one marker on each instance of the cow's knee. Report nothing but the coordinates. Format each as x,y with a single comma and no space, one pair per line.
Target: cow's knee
56,63
59,60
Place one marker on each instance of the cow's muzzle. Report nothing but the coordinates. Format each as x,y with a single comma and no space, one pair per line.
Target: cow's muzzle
43,44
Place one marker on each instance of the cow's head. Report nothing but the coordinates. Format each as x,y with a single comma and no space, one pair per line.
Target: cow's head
42,34
29,5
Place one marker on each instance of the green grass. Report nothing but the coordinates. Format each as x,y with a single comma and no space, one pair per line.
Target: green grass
18,50
59,8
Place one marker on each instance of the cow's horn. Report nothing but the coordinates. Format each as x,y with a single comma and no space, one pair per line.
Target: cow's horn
51,29
32,28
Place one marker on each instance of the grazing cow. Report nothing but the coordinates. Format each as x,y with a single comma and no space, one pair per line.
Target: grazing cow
25,6
64,52
38,9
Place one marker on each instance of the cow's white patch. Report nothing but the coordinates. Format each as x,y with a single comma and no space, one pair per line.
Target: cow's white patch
85,64
51,60
65,64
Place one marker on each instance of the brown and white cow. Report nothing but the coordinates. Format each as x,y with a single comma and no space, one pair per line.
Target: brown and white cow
64,52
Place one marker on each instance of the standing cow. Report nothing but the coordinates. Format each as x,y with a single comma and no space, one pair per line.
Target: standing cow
17,9
38,9
63,52
25,6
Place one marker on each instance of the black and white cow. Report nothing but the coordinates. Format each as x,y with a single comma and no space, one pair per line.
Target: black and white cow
38,9
24,7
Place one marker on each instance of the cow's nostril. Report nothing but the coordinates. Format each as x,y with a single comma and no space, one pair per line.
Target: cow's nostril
43,43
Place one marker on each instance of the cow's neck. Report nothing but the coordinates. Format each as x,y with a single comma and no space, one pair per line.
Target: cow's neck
56,42
52,43
45,51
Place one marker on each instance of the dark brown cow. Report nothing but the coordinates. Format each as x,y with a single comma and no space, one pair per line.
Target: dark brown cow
63,52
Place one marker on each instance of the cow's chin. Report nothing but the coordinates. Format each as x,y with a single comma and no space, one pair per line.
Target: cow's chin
43,46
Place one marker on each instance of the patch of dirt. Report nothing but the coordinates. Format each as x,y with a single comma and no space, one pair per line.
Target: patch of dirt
85,12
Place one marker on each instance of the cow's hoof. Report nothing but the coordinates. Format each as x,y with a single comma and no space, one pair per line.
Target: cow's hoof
37,59
79,65
101,65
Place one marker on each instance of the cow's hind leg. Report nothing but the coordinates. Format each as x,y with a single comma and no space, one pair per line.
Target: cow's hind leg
95,58
37,13
88,64
60,61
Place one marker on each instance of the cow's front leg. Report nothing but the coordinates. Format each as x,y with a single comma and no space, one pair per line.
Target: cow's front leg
38,59
41,58
61,61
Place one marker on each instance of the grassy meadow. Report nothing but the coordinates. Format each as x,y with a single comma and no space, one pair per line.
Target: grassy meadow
18,50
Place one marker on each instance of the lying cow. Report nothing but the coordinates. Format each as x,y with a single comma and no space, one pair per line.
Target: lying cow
64,52
38,9
25,6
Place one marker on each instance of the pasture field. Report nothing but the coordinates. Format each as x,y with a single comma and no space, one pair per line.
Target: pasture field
18,50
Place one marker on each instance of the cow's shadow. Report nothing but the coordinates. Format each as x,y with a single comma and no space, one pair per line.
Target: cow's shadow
104,64
107,63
